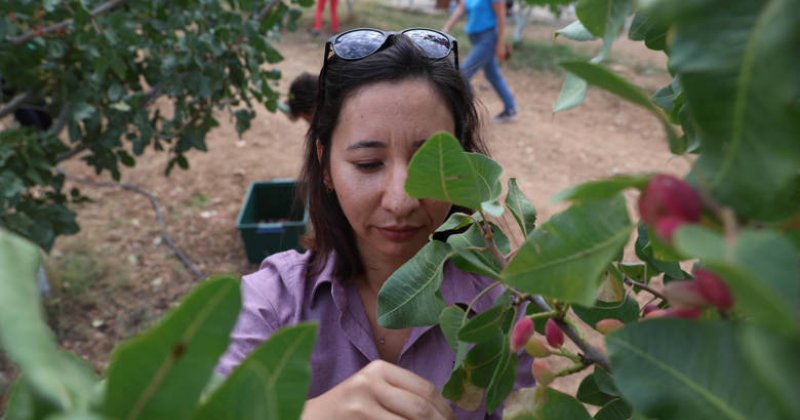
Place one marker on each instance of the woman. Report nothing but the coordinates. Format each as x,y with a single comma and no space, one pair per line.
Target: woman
380,96
486,20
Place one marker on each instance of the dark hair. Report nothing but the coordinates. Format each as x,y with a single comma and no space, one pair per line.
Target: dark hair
302,94
399,60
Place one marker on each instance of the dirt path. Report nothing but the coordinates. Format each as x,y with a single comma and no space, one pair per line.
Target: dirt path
136,278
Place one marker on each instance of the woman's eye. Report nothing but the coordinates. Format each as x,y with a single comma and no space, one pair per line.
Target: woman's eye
368,166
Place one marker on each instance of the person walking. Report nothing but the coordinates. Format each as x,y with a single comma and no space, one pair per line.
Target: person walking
318,17
486,20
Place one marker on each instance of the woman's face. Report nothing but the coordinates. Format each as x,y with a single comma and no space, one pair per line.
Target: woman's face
380,127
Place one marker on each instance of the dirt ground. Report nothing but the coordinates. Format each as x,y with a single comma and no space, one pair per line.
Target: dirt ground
136,277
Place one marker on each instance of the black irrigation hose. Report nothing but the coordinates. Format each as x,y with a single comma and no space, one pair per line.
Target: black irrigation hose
156,206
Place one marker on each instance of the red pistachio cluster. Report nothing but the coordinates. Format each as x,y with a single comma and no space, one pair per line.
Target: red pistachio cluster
522,336
687,298
667,203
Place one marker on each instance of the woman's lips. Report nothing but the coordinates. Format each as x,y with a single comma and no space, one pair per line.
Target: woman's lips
398,233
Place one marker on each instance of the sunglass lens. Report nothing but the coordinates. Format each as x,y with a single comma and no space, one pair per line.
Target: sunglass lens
434,44
358,44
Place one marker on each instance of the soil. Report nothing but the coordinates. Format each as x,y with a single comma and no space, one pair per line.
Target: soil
137,277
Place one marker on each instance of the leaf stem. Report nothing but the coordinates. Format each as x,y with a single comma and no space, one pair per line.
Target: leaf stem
577,367
631,282
563,352
478,296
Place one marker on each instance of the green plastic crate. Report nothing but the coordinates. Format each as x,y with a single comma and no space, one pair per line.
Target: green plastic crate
271,219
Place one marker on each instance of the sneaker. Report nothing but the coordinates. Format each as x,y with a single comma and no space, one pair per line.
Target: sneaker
507,115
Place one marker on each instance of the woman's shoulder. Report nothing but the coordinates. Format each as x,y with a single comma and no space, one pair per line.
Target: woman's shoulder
287,267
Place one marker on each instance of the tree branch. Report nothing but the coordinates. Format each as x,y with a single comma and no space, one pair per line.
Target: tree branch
14,103
159,217
27,36
631,282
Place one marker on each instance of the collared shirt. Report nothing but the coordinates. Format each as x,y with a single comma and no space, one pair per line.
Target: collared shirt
281,294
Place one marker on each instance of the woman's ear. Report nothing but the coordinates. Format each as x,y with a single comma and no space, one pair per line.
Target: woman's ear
320,150
326,176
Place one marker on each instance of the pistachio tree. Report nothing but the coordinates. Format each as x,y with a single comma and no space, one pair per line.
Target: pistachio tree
97,70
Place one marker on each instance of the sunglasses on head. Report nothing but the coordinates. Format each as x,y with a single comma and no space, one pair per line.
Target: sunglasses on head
356,44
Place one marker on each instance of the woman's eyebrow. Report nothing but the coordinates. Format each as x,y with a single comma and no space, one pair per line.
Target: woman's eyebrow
367,144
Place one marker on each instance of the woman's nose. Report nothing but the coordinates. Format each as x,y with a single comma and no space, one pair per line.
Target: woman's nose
395,198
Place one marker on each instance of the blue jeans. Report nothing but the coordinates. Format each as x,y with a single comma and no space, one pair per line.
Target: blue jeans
482,55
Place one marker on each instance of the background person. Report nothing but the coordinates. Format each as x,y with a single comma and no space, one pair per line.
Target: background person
380,96
486,21
318,17
302,97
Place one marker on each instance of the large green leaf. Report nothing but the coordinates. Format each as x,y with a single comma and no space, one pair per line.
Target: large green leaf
271,383
411,297
615,410
774,359
160,374
565,257
590,393
679,369
441,170
603,78
483,359
58,378
521,208
761,267
738,64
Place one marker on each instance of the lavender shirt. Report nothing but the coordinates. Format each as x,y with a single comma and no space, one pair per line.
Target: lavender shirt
280,294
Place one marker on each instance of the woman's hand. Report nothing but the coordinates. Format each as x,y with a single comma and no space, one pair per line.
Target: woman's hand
380,390
501,51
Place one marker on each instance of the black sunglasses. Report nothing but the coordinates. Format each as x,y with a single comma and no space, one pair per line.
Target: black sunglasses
356,44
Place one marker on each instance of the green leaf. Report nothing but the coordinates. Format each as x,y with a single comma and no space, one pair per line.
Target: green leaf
645,27
566,256
451,320
410,297
441,170
739,74
695,370
61,380
521,208
626,311
483,359
576,32
484,325
589,393
555,405
573,92
473,260
161,374
502,381
604,19
603,78
605,382
458,221
761,267
773,358
601,189
615,410
271,383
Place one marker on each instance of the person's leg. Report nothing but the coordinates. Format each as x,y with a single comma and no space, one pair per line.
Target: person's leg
334,17
318,15
492,71
482,51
